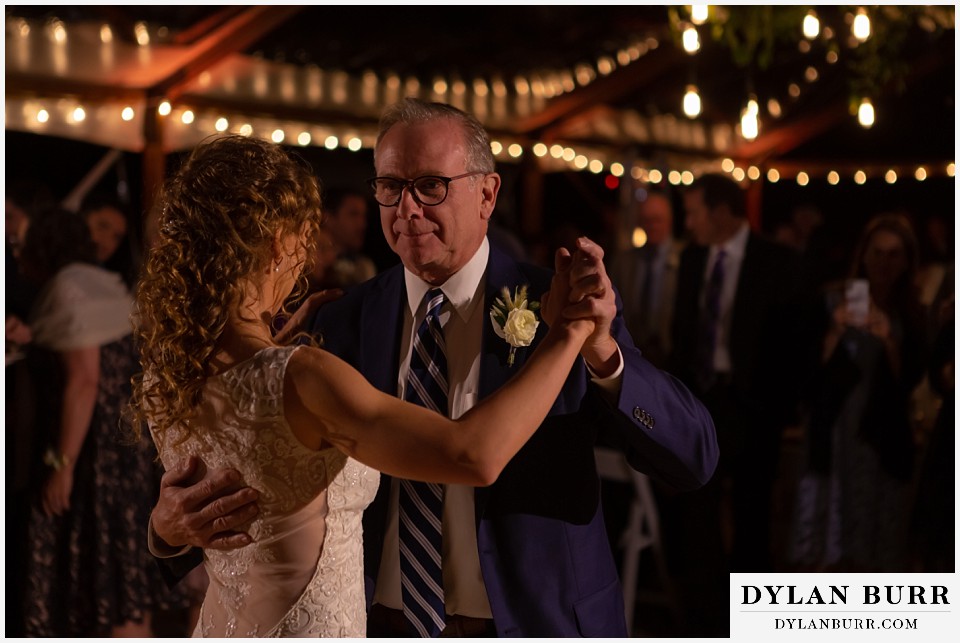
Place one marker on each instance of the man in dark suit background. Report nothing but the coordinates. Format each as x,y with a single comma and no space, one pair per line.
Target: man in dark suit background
733,345
528,555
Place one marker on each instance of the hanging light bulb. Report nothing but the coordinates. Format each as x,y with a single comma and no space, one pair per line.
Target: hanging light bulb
811,26
861,25
691,40
699,13
866,114
691,102
750,120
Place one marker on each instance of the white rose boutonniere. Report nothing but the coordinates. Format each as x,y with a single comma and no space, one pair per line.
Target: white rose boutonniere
514,319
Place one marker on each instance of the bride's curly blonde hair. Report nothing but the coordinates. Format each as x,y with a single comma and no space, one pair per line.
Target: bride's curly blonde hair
219,217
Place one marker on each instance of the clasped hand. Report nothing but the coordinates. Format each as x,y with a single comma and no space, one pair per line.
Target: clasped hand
582,277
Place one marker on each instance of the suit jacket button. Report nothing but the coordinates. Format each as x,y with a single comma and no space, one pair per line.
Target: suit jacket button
652,422
642,417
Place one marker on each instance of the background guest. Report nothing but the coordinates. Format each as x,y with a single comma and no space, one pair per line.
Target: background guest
647,279
345,217
852,502
89,572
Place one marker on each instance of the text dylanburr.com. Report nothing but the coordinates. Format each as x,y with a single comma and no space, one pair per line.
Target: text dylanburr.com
847,607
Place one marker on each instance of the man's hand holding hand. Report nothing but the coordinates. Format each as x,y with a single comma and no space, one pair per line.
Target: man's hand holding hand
591,294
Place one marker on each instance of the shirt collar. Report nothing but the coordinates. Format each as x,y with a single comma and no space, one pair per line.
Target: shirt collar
735,246
460,289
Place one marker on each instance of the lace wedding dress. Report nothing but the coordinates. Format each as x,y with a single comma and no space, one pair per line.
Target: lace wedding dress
303,573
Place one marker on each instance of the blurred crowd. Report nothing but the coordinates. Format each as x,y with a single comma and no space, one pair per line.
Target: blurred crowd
828,367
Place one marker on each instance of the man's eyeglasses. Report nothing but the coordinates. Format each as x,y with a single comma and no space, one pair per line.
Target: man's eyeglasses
426,190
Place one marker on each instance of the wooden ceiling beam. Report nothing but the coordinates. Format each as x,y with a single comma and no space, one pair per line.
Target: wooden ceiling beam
607,89
781,140
234,35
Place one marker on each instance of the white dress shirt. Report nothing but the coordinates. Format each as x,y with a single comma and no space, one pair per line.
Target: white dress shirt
462,319
734,247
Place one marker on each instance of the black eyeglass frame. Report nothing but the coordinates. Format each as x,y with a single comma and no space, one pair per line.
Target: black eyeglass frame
409,183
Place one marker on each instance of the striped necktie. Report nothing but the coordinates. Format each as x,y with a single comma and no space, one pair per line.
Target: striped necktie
421,504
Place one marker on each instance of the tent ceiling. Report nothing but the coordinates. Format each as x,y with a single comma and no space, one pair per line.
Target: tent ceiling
606,80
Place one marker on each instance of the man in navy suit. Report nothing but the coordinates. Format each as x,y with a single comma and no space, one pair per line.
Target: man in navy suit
528,555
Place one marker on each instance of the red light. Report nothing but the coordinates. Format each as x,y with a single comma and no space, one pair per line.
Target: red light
611,182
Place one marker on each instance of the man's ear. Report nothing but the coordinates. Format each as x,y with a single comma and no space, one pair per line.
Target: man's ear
489,189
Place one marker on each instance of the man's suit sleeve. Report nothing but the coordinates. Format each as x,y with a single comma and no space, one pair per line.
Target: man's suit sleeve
662,427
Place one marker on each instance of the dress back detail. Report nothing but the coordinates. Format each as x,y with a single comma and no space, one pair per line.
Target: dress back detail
303,573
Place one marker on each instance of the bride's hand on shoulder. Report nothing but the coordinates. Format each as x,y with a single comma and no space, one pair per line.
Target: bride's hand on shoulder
299,320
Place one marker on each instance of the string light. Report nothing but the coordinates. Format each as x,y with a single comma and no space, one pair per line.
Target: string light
540,150
43,116
221,125
106,34
753,172
738,174
141,33
861,25
865,113
556,151
773,106
569,154
951,168
127,113
890,177
750,120
580,161
187,117
496,147
811,26
277,136
920,174
515,150
691,102
699,13
79,115
773,175
164,108
304,138
811,74
727,165
673,177
794,90
691,40
639,237
860,177
331,142
354,144
832,57
802,178
596,166
686,177
246,129
833,177
655,176
617,169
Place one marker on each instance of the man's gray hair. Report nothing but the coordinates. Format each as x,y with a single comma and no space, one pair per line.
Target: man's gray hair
409,111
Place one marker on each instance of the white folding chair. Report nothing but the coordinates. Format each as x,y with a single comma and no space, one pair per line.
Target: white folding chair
641,532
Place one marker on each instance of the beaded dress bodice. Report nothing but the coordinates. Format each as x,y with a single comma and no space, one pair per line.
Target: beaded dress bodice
303,573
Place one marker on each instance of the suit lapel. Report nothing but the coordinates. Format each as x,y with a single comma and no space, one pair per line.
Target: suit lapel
501,271
381,327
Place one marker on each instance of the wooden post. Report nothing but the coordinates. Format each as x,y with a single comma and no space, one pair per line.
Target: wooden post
531,208
755,205
154,167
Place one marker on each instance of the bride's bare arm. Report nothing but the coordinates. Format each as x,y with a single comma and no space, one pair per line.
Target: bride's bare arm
326,398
